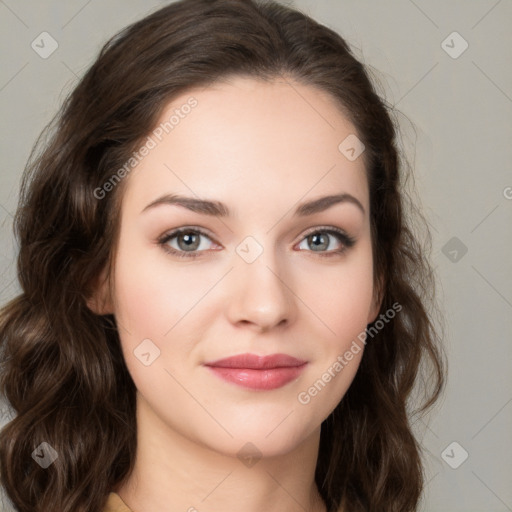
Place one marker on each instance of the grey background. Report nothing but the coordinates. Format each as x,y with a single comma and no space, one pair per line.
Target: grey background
457,131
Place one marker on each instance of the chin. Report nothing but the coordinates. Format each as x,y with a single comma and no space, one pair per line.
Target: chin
261,441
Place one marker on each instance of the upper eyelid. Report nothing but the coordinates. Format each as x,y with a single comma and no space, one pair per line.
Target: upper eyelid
177,231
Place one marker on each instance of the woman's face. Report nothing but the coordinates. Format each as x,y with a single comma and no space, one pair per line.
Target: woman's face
255,271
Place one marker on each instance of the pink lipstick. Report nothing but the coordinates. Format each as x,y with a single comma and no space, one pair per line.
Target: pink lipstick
258,372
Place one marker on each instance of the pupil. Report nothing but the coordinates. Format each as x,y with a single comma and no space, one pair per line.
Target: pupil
317,238
189,242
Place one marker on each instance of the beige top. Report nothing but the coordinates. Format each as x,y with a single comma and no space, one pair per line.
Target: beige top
115,504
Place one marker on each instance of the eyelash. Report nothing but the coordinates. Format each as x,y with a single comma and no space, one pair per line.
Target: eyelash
345,239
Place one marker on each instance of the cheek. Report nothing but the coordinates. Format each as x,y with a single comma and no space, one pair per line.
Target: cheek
342,307
154,303
340,296
153,295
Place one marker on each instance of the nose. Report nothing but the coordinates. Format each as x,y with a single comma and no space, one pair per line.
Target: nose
261,296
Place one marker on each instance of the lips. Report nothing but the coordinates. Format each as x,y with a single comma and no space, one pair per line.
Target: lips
258,372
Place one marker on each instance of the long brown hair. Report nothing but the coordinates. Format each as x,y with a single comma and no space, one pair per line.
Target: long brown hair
62,370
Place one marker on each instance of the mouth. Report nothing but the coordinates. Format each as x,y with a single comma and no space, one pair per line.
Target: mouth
258,372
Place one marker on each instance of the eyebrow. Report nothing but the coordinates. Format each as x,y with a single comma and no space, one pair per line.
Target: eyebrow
218,209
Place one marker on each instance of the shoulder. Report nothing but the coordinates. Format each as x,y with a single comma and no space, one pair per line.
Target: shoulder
115,504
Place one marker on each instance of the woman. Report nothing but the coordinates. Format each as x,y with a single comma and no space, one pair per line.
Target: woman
223,302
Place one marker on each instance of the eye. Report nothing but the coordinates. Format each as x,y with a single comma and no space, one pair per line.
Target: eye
321,239
188,242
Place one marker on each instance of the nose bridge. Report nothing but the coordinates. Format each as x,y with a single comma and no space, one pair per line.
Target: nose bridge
260,293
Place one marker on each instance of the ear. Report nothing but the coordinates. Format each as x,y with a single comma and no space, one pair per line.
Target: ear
99,300
378,296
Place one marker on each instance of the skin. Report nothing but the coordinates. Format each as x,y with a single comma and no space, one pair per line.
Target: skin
261,148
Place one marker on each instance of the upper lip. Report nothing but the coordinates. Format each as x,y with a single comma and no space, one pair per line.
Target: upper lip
255,362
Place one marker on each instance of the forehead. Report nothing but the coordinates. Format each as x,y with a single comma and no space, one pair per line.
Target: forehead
271,141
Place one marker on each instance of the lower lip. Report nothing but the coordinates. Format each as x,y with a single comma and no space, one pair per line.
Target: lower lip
272,378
